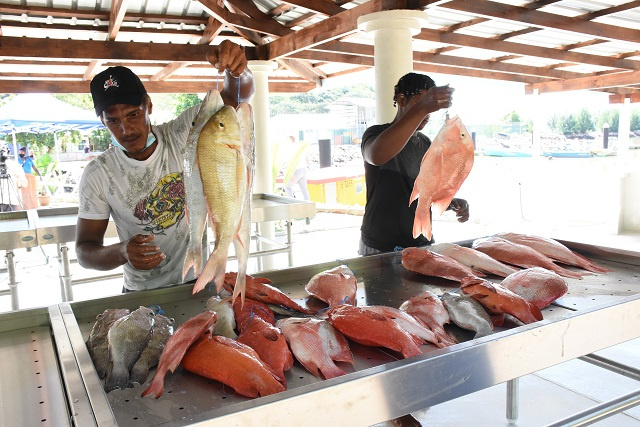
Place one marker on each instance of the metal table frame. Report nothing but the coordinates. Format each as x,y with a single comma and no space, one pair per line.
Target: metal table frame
399,387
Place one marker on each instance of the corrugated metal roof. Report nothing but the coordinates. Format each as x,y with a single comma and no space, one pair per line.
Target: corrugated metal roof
546,44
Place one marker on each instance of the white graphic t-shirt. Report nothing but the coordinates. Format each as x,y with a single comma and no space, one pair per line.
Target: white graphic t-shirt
144,197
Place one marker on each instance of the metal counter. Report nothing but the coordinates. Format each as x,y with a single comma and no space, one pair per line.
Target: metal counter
379,386
32,389
37,227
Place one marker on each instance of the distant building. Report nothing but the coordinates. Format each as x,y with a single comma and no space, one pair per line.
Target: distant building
344,124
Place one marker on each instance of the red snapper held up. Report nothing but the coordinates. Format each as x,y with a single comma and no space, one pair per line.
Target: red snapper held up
444,167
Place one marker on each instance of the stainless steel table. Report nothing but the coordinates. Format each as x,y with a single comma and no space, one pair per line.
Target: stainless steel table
379,386
38,227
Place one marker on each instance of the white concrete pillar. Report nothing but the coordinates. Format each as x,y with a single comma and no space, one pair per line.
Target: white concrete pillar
629,213
393,52
624,127
538,123
263,178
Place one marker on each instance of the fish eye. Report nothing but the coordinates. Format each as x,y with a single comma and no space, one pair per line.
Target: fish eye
221,124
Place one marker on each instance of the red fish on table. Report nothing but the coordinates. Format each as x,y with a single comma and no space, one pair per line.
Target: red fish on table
520,255
429,263
499,300
430,310
234,364
335,286
177,346
373,329
537,285
270,344
554,250
260,289
316,345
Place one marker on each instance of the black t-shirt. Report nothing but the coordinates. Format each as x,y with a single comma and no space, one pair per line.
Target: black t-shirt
388,218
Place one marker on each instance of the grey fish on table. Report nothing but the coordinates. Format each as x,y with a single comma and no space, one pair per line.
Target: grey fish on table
226,324
97,343
128,337
162,330
468,313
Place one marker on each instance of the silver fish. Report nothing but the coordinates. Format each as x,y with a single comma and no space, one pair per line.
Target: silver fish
194,194
468,313
226,324
128,337
162,330
97,343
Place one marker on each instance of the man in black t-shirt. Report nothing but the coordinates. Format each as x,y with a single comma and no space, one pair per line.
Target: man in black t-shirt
392,155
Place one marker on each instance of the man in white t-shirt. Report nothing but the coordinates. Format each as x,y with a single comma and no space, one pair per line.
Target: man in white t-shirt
139,181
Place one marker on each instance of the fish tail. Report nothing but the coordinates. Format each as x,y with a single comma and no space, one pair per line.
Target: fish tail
214,270
422,223
589,265
156,388
117,378
240,288
192,259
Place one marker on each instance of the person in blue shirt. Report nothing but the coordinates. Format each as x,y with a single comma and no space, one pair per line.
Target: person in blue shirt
29,195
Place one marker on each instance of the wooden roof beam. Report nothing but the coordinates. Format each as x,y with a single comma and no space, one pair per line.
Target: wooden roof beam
116,15
544,19
626,78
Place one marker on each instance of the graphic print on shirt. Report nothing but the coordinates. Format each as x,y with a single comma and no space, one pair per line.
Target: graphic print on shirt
164,206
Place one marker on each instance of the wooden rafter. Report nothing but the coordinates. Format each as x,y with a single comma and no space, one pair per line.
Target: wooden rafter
116,16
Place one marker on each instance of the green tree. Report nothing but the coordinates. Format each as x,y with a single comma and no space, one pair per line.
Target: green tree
569,125
610,117
584,122
186,100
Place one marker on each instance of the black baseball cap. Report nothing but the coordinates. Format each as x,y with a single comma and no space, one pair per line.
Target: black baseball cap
116,85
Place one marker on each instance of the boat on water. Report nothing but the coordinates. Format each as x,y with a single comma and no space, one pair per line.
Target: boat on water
569,154
505,153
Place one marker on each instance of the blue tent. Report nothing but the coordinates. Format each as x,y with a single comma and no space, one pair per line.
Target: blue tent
41,113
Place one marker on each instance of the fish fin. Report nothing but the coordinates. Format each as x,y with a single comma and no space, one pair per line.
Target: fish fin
239,288
156,388
439,206
214,270
422,223
193,259
117,378
414,194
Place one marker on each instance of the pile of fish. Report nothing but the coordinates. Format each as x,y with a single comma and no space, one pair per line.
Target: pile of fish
250,347
125,345
219,165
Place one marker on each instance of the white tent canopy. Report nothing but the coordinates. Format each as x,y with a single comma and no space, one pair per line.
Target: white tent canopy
42,113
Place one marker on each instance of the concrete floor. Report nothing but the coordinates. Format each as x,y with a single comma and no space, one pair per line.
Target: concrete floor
546,396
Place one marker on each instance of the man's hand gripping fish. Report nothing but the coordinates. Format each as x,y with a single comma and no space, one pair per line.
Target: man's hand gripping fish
226,161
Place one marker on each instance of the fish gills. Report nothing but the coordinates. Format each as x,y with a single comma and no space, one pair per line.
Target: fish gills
97,343
537,285
423,261
176,347
128,337
194,194
233,364
443,169
223,170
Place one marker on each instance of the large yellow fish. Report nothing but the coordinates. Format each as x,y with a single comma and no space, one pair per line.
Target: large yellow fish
195,201
444,167
225,158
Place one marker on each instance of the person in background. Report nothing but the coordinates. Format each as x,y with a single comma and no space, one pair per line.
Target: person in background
10,188
296,170
29,192
392,155
139,180
87,147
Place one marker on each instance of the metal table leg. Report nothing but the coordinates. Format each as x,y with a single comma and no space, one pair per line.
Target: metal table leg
66,289
289,241
513,400
13,285
258,246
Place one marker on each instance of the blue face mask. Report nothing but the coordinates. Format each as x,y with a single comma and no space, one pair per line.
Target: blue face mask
151,138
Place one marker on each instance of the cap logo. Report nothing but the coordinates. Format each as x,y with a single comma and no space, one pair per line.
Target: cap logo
110,82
